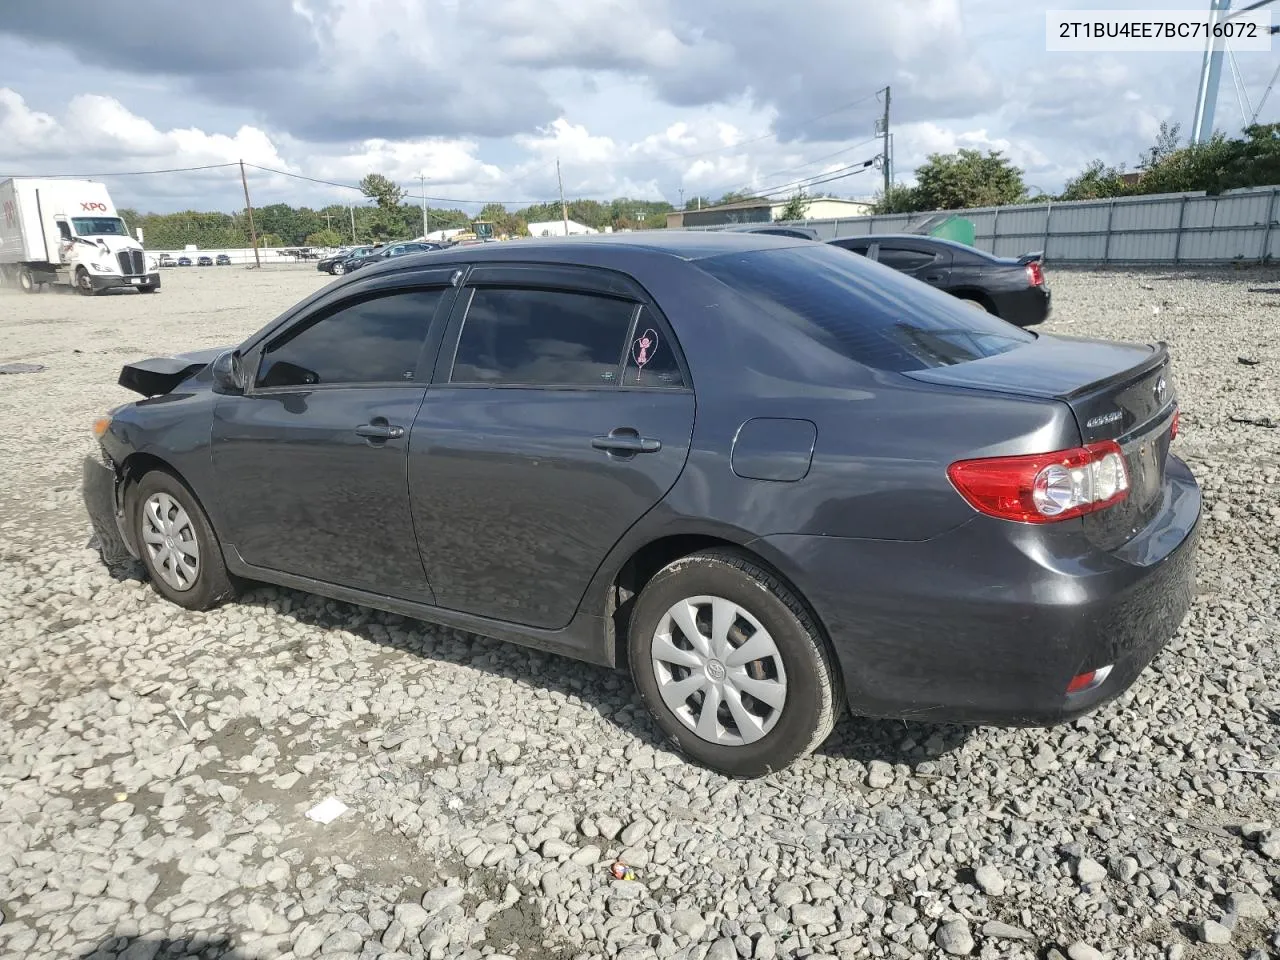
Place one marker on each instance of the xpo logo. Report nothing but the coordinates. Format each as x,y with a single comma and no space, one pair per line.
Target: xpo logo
93,206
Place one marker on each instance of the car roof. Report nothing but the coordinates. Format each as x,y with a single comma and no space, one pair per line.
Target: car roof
605,250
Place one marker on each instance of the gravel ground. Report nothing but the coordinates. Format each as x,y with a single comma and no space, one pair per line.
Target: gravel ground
156,765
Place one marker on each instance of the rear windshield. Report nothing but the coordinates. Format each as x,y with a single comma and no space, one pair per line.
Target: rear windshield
864,311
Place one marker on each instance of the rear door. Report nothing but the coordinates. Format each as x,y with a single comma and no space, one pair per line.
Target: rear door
311,460
560,412
916,260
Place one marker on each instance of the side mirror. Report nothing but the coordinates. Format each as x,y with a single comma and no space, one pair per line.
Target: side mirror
228,372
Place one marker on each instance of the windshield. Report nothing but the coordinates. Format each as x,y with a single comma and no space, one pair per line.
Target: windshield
100,227
862,310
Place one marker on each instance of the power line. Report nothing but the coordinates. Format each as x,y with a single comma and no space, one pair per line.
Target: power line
751,186
852,170
352,186
119,173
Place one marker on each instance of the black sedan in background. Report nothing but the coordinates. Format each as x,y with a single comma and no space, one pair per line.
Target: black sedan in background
223,260
833,486
335,264
388,252
1013,289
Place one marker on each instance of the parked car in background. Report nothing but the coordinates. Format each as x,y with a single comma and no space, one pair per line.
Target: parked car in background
775,230
926,512
184,261
204,261
167,261
1014,289
333,263
223,260
389,252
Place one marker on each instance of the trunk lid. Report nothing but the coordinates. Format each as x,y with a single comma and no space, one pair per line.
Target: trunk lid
1117,391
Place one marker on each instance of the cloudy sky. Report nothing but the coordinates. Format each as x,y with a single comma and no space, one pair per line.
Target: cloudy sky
641,98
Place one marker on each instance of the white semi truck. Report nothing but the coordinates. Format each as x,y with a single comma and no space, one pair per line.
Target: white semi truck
68,232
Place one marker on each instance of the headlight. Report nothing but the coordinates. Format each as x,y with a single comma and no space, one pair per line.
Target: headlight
104,267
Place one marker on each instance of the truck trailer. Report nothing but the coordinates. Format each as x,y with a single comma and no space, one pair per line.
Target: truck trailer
68,232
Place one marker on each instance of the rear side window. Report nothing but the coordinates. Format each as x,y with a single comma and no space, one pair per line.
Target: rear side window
375,340
651,360
901,259
542,338
862,311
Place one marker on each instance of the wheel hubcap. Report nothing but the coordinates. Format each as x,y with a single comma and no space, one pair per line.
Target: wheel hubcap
170,541
719,670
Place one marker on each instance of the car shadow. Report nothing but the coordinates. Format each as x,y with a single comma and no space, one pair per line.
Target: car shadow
206,946
609,692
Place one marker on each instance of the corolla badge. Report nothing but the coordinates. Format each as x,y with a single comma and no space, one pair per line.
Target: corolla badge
1104,419
1161,389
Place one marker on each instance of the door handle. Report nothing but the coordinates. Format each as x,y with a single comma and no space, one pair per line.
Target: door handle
379,429
625,441
933,277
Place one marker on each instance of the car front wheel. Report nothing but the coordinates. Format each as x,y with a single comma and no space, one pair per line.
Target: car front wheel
731,664
338,269
177,543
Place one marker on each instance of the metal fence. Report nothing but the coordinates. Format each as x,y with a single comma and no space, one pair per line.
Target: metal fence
1189,228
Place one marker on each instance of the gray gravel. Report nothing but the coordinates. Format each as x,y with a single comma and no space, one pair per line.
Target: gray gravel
156,765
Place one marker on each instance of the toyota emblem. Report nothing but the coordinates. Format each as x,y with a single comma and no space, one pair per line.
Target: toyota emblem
1161,387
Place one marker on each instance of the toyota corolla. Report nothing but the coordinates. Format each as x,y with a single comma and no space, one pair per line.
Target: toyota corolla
771,479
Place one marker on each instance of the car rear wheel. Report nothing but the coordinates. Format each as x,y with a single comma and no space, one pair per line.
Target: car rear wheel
27,281
177,543
978,304
732,665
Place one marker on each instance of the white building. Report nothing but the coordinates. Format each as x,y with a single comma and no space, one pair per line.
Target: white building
555,228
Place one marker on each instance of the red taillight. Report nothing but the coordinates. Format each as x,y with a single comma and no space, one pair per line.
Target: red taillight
1173,430
1044,487
1087,681
1035,273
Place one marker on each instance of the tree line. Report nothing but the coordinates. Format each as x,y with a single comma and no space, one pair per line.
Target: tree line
970,178
954,181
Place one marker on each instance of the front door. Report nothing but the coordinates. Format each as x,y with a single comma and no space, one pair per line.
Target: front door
561,417
311,461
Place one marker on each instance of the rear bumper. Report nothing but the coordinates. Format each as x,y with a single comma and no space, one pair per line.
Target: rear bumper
100,283
98,487
989,622
1026,307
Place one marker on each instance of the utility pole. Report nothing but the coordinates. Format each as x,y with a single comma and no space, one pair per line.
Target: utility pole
328,220
887,157
682,198
351,207
564,211
426,222
253,234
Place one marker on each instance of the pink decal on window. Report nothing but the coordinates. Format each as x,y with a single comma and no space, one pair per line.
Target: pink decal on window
642,350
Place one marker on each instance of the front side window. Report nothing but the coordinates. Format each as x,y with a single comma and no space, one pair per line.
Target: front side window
374,340
542,337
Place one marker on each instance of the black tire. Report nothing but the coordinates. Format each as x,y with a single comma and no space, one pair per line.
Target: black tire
84,286
338,269
211,585
28,282
815,691
978,303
